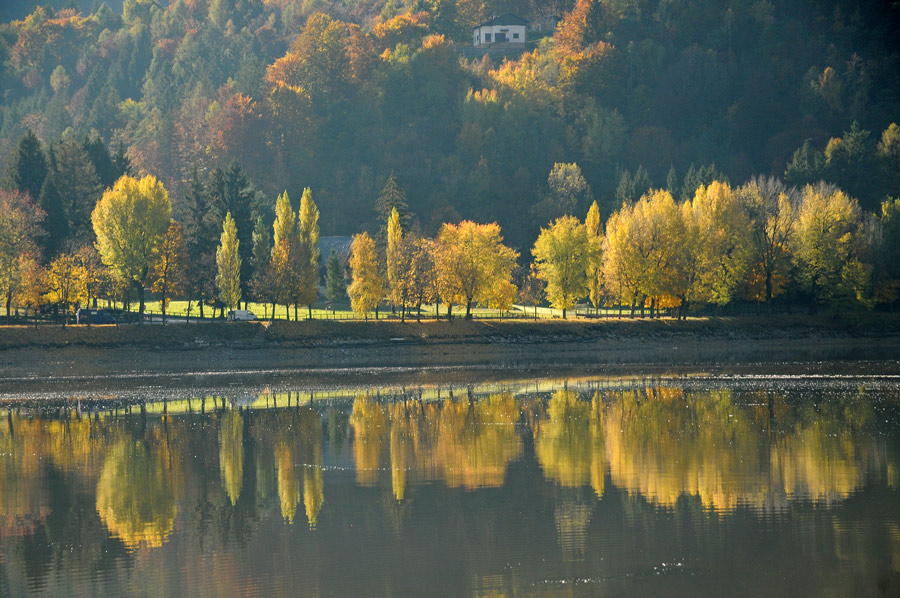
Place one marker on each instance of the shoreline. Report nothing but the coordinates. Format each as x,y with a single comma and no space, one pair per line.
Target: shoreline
80,357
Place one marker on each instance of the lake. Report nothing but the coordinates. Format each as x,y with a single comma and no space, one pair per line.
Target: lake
579,486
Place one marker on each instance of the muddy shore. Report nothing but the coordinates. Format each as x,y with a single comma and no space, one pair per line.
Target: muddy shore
79,356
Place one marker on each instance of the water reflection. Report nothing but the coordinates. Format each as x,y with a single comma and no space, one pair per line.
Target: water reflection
576,463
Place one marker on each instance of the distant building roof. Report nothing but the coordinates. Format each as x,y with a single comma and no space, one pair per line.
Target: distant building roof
341,246
507,19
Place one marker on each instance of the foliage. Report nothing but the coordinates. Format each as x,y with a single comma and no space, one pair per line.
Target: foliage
367,286
472,263
130,221
228,260
562,257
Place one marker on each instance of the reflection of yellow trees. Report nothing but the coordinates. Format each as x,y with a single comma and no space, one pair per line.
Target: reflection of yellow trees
136,492
369,423
231,454
310,429
568,444
477,441
288,484
466,444
664,444
824,459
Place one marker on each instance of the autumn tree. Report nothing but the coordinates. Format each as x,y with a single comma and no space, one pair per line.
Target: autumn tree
561,255
772,208
64,286
19,231
308,247
284,267
95,277
168,271
471,261
826,247
130,221
594,230
723,242
228,260
367,286
395,259
532,288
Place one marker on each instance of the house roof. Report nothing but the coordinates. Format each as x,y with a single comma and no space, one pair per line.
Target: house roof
507,19
340,245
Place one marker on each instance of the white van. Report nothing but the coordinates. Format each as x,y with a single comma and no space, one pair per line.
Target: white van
241,315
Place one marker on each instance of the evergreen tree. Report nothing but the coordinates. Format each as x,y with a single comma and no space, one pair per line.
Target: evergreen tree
56,225
262,251
391,198
335,286
28,166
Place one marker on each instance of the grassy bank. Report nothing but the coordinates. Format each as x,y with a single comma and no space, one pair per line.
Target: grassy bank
309,333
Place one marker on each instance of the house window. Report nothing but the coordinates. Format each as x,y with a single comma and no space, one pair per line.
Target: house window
515,36
487,38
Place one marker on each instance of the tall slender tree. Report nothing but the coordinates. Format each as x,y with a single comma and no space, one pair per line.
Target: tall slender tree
228,260
308,237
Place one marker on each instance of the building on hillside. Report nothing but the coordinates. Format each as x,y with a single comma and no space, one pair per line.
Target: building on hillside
505,30
340,245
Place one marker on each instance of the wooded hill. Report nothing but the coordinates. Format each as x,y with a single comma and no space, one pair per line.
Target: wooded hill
336,96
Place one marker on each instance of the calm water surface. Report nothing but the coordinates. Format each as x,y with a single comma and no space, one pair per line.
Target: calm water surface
587,487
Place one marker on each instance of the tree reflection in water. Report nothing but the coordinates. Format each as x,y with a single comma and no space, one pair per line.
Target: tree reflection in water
569,458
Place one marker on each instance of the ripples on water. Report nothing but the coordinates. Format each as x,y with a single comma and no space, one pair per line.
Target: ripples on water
781,486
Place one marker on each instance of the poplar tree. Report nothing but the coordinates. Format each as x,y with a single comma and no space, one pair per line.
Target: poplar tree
394,257
228,260
308,236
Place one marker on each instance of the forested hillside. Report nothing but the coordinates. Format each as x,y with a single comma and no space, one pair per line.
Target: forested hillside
337,96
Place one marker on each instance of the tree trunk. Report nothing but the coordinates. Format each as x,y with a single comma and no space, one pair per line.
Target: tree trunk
141,304
309,307
564,313
469,309
296,319
449,312
419,312
8,304
200,303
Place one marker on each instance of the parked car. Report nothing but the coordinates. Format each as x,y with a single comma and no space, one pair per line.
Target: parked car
241,315
93,316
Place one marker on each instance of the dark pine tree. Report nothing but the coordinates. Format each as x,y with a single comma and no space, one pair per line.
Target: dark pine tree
28,166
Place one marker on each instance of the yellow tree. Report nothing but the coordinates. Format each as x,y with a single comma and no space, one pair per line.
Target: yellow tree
561,256
283,270
64,276
826,247
95,277
308,261
643,246
594,230
724,241
394,258
471,261
130,221
368,285
19,220
168,271
228,260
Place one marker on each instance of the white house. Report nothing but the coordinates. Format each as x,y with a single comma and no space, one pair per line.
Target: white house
506,29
